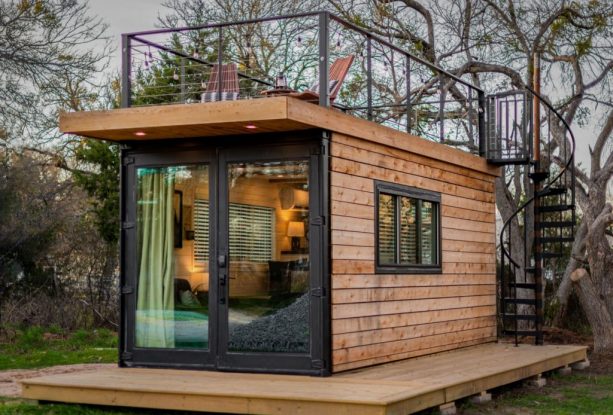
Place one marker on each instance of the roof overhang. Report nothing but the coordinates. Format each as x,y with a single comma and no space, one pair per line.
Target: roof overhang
275,114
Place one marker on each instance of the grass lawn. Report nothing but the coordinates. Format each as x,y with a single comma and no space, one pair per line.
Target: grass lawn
37,347
16,407
579,393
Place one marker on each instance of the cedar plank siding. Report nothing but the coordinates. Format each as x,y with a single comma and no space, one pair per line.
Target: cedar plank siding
378,318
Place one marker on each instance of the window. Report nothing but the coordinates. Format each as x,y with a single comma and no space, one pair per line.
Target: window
407,229
251,236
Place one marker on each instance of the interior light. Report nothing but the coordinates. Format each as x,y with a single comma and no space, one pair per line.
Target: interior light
140,133
250,127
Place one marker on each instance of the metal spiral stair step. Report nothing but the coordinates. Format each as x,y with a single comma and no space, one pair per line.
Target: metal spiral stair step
523,285
552,255
523,317
538,176
552,191
554,239
555,208
505,161
555,224
525,301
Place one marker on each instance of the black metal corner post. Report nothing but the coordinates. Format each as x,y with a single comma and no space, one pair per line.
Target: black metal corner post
126,69
126,253
325,258
324,59
481,115
122,258
219,63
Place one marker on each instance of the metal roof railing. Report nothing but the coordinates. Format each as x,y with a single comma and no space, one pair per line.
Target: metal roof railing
385,84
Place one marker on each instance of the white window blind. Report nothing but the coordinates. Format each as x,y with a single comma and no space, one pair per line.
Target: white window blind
251,232
201,230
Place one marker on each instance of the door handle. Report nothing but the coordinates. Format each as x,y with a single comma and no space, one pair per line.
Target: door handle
223,280
221,261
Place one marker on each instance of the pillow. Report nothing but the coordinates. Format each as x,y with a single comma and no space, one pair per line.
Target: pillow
189,299
212,96
315,86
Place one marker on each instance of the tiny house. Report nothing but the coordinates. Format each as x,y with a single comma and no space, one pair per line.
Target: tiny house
312,230
312,243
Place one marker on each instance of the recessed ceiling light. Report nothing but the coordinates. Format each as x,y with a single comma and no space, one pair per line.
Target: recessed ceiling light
250,127
140,133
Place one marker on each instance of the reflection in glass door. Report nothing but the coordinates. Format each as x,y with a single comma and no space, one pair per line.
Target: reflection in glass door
172,303
268,273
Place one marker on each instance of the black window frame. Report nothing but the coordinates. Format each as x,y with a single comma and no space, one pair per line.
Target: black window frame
398,191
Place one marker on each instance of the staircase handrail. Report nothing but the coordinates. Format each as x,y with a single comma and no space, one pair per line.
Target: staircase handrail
548,185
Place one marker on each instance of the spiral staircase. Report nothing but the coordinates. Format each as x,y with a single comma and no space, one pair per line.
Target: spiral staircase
537,237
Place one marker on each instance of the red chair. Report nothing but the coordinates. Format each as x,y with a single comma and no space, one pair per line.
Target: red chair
338,71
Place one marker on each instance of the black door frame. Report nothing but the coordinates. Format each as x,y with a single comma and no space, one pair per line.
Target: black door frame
271,362
311,145
137,356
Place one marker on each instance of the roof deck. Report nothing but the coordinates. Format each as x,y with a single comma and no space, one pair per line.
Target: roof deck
286,55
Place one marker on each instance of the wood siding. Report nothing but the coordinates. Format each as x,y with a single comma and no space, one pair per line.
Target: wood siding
379,318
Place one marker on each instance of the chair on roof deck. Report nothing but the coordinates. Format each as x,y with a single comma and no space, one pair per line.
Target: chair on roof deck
338,71
229,84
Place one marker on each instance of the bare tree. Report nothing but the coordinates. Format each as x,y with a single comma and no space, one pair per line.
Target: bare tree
45,46
495,43
52,54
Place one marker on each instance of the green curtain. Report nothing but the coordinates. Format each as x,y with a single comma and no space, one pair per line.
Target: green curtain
155,320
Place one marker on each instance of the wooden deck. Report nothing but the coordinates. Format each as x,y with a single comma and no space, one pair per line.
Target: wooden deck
396,388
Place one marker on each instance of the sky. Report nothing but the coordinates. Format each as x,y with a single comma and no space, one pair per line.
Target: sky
124,16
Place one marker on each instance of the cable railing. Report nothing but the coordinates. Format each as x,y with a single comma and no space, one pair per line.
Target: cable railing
288,55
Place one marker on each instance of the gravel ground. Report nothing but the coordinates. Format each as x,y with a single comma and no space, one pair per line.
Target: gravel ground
9,379
287,330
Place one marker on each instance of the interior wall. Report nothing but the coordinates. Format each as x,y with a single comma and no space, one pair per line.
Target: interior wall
254,275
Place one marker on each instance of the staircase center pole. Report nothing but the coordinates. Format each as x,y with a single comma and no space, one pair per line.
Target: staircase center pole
538,262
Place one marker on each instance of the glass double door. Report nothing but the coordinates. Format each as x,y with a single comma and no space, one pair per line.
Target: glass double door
221,261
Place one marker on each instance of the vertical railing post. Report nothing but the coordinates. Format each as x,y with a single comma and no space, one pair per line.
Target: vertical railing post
324,58
469,111
408,80
441,108
219,63
126,69
369,77
481,115
183,96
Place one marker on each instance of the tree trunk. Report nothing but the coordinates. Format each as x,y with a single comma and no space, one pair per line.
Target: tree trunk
596,311
565,288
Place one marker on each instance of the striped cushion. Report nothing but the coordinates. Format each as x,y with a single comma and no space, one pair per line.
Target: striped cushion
212,96
315,86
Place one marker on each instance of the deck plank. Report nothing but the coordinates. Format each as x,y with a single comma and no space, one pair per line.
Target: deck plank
394,388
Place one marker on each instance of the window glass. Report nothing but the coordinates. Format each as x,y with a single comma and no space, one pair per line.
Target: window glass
428,233
269,261
387,229
408,231
407,228
172,309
